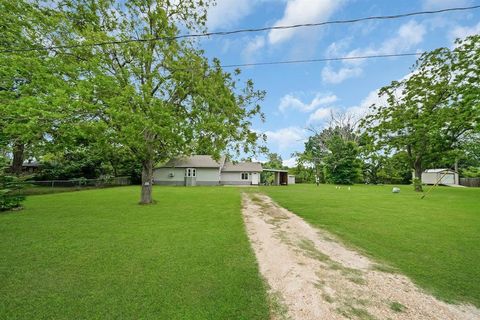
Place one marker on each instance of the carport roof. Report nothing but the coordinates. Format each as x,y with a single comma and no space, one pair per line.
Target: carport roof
438,170
242,166
275,170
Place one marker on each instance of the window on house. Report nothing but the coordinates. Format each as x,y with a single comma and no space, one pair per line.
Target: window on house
190,172
244,176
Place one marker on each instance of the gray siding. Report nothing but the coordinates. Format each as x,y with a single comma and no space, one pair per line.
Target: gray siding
234,178
162,175
205,176
208,175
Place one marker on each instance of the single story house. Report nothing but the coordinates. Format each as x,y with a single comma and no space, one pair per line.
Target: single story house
440,176
206,171
28,167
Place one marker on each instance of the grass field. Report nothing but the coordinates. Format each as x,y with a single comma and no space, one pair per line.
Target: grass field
98,255
32,190
435,241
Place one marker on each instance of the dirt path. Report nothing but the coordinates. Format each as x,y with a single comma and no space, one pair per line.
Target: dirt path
313,276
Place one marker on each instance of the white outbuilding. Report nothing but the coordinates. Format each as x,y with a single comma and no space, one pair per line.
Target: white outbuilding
440,176
291,179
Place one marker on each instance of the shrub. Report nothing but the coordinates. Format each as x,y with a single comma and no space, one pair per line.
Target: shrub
9,196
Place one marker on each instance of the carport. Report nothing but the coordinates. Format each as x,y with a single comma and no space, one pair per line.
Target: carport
281,176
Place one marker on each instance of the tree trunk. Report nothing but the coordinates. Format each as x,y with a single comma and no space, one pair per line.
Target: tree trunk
456,170
147,181
147,170
18,157
417,182
114,167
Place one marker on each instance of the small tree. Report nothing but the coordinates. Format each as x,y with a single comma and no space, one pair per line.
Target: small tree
333,152
341,164
9,187
274,161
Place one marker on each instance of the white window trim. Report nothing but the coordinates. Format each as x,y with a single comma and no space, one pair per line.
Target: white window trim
190,172
244,173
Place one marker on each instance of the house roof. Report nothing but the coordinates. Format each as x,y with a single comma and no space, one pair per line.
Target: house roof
198,161
438,170
242,166
205,161
31,164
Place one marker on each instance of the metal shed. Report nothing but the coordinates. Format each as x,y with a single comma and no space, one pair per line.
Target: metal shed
291,179
440,176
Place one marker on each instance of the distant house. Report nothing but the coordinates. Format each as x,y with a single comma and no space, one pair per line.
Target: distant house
206,171
440,176
28,167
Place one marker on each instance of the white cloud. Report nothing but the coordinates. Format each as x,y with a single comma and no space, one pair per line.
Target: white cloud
408,35
286,138
331,76
302,11
319,115
253,46
463,32
289,101
228,12
338,47
363,108
442,4
292,162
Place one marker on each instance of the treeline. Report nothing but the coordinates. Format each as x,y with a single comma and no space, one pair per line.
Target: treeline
428,119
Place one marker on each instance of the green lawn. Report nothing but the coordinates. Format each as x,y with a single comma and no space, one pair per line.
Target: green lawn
435,241
98,255
32,190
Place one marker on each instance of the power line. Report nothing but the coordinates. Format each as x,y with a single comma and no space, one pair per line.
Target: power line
323,59
224,33
318,24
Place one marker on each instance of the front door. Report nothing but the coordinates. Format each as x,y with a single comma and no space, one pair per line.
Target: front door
255,178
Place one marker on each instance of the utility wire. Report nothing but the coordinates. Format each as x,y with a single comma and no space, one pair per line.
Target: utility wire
323,59
224,33
318,24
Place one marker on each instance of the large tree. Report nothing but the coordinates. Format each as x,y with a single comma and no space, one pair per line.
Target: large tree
155,95
430,111
32,91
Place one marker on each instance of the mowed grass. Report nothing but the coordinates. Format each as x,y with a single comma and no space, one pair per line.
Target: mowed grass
98,255
435,241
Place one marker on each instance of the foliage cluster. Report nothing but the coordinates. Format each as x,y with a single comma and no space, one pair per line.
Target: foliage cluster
9,186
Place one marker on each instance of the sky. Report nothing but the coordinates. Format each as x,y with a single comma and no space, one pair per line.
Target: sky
302,96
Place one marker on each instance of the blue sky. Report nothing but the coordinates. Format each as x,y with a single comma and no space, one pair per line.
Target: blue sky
300,96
